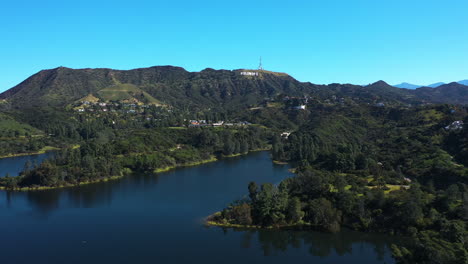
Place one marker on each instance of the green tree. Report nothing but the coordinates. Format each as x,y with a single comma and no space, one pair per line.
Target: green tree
322,213
253,191
294,212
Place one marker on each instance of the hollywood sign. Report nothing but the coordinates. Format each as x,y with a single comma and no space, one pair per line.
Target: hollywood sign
250,73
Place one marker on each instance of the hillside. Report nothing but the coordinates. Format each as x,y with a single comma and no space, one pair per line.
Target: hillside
407,85
432,85
9,127
158,85
121,92
453,93
174,86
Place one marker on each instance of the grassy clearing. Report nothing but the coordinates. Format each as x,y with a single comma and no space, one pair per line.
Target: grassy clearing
90,98
279,162
190,164
8,125
391,187
274,105
42,151
121,92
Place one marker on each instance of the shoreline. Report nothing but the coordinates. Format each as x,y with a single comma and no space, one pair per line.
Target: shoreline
212,159
43,188
208,221
277,162
190,164
44,150
124,173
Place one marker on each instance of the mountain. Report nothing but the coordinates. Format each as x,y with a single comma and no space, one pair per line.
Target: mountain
453,93
209,88
406,85
159,85
434,85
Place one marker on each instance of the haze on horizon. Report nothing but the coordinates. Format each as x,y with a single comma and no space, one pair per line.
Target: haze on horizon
356,42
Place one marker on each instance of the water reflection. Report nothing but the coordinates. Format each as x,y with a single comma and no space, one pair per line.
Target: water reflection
346,242
86,196
43,202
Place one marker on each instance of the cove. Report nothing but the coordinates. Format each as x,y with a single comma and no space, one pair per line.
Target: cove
158,218
14,165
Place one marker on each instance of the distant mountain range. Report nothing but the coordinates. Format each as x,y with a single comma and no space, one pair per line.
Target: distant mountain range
406,85
209,88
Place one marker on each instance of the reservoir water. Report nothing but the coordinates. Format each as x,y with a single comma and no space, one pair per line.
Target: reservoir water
14,165
159,219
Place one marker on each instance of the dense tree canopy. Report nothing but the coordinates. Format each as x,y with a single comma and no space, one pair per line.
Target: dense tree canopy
400,169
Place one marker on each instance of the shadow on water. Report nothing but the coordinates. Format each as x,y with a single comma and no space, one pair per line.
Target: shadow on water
86,196
346,242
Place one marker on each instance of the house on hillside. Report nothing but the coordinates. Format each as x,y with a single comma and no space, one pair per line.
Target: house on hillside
285,135
194,123
456,125
380,104
299,107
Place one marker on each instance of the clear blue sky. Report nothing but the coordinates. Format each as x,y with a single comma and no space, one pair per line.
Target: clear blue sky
347,41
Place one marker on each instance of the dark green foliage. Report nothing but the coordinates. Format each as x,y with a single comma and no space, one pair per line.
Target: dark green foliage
209,88
240,214
389,170
320,212
294,212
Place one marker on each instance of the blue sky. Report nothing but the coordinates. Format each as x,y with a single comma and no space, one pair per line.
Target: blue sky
347,41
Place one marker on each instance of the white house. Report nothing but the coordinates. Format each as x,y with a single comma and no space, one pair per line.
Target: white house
300,107
285,134
456,125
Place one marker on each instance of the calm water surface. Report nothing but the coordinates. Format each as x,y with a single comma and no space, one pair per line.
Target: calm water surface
15,165
159,219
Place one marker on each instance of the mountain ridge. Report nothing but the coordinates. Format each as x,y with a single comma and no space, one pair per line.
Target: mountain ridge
60,86
173,85
407,85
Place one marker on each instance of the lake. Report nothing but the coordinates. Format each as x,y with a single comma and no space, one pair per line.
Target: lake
159,219
14,165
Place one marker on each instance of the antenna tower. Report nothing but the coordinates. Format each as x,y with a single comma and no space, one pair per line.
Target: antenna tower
260,67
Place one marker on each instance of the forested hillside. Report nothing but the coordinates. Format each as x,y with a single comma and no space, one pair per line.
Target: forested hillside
371,158
396,170
176,87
